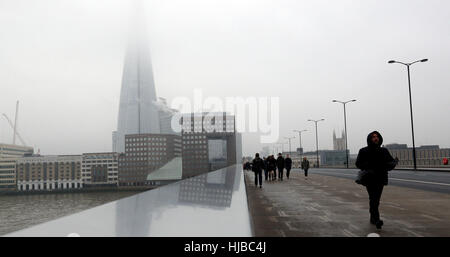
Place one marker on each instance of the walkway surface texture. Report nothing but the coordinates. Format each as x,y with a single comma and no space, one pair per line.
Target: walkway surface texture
332,206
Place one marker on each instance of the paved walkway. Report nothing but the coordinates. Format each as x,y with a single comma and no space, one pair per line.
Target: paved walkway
331,206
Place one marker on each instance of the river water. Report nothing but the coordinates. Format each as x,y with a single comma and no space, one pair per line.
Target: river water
22,211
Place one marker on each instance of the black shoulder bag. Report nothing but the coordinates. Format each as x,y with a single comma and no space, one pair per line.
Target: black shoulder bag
363,177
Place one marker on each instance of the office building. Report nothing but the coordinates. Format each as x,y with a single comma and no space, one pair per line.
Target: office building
210,142
14,151
8,174
145,153
8,156
426,156
330,158
100,169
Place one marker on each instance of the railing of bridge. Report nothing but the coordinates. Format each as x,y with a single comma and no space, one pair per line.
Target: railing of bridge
212,204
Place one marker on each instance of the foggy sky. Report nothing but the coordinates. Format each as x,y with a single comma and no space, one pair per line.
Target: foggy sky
63,60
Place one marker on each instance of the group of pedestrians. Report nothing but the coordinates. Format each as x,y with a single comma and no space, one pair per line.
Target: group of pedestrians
272,168
374,161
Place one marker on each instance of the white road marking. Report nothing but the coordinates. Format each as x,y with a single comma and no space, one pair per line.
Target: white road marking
396,207
282,214
290,227
325,218
431,217
400,179
348,233
418,181
412,232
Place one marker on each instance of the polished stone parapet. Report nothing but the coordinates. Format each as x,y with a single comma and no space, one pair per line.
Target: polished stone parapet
212,204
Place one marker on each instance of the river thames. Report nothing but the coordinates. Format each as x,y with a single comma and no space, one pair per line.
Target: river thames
22,211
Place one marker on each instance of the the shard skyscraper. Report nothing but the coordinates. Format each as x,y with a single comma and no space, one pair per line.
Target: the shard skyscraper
138,112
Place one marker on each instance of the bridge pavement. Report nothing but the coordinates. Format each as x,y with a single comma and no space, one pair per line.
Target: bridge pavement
333,206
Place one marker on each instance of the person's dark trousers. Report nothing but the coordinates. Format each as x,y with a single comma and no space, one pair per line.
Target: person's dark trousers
306,173
375,192
288,170
280,173
258,177
266,174
274,174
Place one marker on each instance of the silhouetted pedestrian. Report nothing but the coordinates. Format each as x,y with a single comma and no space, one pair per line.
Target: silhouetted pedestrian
266,168
280,166
305,166
375,162
288,165
247,166
257,166
272,167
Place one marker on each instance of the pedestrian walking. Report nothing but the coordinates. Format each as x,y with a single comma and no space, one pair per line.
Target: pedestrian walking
272,167
288,165
257,166
280,166
374,162
266,168
247,166
305,166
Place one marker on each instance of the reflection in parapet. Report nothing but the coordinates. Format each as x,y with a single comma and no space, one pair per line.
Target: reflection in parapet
217,206
134,216
213,190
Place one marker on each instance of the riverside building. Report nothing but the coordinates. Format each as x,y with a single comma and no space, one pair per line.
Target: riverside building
57,172
8,157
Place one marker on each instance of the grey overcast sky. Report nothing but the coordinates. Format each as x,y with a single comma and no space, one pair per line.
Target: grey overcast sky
63,60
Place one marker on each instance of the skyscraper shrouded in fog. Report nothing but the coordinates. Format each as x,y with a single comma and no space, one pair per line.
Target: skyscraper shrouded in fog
138,112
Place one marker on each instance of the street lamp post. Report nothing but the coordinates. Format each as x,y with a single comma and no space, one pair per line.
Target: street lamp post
289,138
410,105
278,148
275,148
300,136
282,146
317,141
345,126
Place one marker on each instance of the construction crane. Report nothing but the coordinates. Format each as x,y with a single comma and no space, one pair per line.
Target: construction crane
14,126
16,133
15,123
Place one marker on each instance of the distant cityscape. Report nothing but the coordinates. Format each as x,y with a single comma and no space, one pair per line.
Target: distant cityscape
146,152
149,160
428,156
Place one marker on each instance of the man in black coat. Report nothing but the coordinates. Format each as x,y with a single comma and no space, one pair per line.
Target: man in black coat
288,165
377,161
280,166
305,166
257,166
